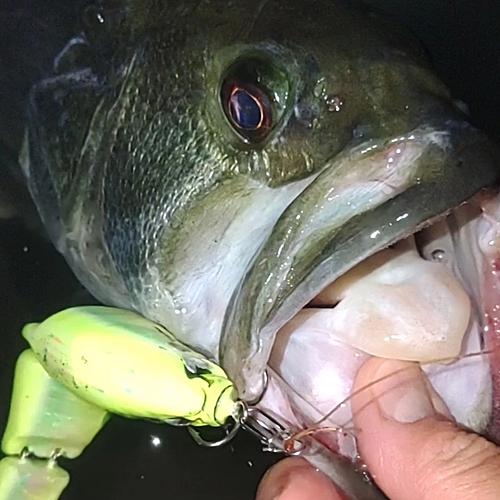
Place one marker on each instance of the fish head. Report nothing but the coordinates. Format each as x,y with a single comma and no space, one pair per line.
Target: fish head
216,165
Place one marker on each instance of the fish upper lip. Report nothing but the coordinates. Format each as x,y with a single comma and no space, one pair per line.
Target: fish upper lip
260,306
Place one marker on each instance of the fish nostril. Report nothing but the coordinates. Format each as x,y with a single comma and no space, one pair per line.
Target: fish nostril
306,115
360,132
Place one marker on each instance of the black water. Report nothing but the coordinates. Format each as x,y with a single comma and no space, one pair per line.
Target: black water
463,38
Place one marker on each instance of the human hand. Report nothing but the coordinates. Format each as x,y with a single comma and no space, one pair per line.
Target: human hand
409,441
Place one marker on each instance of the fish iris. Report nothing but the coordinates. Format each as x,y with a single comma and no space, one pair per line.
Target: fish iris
246,111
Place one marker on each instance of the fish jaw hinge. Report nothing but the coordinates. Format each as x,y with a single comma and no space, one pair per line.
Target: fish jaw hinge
46,421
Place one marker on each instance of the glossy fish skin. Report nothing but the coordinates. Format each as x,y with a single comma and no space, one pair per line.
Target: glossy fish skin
160,205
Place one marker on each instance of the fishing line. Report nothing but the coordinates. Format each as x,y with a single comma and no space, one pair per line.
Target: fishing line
314,428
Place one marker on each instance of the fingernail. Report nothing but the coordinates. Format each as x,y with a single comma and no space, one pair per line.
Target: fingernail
405,394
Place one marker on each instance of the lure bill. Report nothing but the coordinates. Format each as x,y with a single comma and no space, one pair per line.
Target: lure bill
85,363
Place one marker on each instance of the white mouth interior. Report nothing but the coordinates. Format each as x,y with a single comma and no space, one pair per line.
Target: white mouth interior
414,301
395,304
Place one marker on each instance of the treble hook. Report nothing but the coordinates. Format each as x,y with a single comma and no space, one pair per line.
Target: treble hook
230,434
274,436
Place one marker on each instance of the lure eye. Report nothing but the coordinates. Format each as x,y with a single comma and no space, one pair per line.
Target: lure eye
248,109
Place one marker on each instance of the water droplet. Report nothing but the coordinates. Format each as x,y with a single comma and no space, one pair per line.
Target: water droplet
93,16
334,103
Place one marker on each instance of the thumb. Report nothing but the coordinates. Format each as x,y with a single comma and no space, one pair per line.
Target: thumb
410,443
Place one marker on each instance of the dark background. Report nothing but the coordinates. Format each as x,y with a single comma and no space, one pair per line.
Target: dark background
463,39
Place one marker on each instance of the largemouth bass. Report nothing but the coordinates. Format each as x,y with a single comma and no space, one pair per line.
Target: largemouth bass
219,166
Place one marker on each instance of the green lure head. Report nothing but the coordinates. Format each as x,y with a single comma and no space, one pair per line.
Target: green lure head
128,365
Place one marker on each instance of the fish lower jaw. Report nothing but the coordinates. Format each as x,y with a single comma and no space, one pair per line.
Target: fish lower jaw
432,298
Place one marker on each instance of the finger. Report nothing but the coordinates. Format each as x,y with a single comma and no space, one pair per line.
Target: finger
411,444
295,479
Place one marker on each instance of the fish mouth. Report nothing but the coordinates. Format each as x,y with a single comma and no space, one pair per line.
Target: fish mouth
422,299
313,364
406,208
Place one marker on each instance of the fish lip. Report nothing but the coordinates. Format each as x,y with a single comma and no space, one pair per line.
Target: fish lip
244,354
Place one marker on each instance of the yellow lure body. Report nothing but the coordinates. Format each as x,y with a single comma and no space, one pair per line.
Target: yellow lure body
128,365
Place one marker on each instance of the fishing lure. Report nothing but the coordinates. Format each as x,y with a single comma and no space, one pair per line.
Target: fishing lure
86,363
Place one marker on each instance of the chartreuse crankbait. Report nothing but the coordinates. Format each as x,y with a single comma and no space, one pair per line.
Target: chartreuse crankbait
87,362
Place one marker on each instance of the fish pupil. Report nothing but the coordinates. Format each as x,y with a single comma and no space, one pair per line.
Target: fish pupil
246,110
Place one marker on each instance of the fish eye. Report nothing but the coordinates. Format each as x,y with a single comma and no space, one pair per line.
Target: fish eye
248,109
253,95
